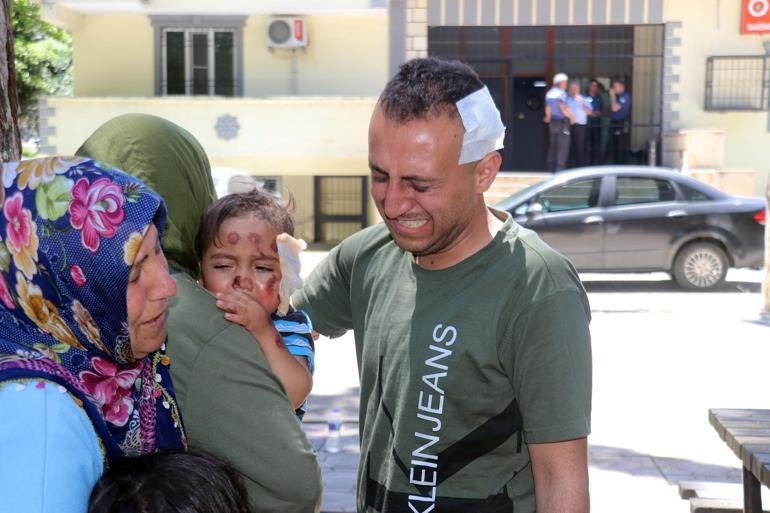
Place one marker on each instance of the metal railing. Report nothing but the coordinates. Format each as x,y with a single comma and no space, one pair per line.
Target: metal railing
737,82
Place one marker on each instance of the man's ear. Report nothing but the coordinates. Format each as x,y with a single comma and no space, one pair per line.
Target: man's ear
486,171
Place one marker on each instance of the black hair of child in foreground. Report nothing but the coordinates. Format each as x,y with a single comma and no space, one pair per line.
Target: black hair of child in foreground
173,481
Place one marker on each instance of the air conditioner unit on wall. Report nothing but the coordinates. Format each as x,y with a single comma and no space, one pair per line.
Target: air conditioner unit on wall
286,32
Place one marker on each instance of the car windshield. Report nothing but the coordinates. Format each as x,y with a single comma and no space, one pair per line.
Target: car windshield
516,198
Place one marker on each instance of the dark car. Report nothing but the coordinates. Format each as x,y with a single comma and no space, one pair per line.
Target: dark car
642,219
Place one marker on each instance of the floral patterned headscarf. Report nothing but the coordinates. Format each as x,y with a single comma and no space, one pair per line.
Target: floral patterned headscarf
70,228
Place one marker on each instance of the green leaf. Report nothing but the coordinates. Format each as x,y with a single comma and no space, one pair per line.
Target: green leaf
52,199
42,58
49,352
60,348
5,257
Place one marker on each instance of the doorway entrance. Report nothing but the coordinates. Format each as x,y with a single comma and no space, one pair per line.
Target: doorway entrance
517,63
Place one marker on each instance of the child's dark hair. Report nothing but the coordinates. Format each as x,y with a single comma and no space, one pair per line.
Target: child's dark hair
171,481
258,203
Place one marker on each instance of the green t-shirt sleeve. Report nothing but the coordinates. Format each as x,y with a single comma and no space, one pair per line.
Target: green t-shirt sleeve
325,296
547,355
237,409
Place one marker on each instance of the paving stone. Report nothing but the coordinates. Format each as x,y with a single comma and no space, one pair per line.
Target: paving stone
341,461
338,502
340,481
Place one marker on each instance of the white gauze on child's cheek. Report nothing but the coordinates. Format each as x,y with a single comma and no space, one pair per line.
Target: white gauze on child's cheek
289,249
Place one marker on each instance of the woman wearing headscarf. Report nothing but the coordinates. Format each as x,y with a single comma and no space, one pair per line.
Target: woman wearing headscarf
84,290
232,403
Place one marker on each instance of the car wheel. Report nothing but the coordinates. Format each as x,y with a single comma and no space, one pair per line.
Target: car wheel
700,266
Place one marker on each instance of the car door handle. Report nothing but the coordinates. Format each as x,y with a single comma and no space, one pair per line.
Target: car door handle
593,220
676,213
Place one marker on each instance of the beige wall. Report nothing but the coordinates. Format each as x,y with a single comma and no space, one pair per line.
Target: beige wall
713,28
301,188
291,138
346,55
113,54
277,137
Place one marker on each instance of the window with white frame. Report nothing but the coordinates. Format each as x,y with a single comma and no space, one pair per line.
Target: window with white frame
198,55
198,61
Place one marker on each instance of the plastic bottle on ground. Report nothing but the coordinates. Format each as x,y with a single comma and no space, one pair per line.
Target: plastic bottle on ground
333,437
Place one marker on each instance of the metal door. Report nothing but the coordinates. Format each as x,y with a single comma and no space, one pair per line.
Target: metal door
523,55
341,207
527,132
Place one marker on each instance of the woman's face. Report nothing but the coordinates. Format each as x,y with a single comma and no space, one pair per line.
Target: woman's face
149,288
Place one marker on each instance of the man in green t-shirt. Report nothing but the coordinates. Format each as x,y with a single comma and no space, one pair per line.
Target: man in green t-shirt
471,334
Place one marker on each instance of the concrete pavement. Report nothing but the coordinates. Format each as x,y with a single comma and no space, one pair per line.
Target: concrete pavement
662,357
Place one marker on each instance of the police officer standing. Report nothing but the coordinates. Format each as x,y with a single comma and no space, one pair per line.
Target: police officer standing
580,107
596,96
617,151
558,117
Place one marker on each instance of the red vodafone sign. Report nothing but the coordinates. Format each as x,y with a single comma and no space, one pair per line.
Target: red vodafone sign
755,18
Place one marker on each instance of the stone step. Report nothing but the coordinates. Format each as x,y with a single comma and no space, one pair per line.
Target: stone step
711,505
509,183
715,490
705,489
493,197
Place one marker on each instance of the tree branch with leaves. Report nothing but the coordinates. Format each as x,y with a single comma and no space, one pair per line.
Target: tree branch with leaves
43,60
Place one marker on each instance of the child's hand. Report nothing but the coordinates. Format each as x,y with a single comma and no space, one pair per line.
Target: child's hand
242,309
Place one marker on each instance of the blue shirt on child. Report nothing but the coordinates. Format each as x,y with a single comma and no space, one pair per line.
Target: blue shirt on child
297,333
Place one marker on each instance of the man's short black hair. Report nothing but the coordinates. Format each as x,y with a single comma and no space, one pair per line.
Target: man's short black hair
427,86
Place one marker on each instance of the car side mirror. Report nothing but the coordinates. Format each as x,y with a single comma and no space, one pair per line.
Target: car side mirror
535,209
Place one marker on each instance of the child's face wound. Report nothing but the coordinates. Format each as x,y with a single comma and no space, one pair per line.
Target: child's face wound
245,257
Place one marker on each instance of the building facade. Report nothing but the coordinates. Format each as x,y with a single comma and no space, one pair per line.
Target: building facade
288,103
697,72
296,116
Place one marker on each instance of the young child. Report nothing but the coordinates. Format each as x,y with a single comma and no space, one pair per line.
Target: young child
238,250
170,481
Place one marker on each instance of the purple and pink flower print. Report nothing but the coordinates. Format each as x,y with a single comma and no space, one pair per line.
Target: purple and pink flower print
96,210
21,233
111,386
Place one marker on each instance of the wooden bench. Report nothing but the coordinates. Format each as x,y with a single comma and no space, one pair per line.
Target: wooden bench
747,433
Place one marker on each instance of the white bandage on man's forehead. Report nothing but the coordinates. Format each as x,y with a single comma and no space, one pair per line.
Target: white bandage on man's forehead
484,131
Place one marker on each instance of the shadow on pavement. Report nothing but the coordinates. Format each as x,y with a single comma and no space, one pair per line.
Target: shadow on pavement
674,470
664,286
